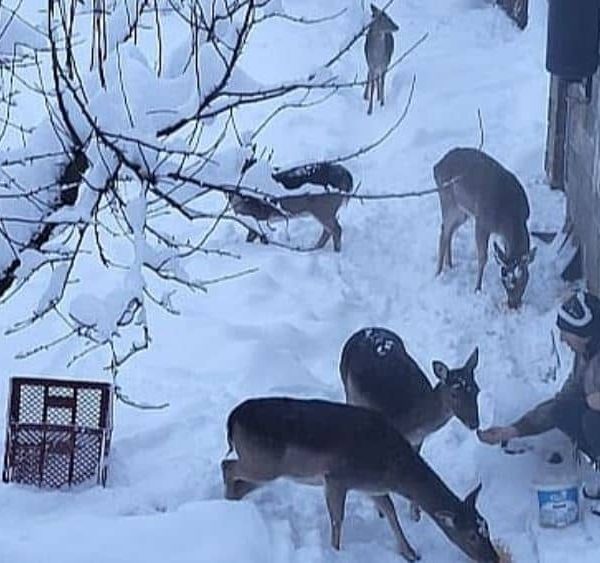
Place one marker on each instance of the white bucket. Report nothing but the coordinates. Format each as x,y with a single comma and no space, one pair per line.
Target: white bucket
558,504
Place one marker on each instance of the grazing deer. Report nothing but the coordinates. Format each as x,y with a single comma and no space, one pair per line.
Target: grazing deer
472,183
378,373
379,46
322,206
345,448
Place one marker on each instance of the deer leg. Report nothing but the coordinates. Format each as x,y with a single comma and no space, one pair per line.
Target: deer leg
415,511
325,236
253,235
335,495
482,237
382,93
386,506
366,92
450,224
331,227
453,229
240,478
235,489
371,94
446,232
442,244
336,231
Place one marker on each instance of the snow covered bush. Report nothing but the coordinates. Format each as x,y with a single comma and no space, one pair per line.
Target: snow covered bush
132,143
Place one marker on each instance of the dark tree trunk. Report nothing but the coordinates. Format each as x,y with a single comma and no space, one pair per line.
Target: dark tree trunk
69,182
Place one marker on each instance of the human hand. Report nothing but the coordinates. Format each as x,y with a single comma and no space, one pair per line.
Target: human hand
497,434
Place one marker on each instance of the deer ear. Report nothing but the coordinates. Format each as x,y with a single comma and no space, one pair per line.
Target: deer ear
440,370
446,519
499,255
473,360
374,9
471,498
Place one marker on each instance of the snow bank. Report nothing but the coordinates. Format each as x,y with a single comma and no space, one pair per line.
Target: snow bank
213,531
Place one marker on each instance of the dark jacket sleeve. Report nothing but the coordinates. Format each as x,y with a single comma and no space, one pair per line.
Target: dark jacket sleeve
538,420
591,376
543,417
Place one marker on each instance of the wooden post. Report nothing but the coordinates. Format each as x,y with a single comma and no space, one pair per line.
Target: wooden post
554,163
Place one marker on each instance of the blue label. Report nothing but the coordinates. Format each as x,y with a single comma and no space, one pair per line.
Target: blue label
559,507
558,496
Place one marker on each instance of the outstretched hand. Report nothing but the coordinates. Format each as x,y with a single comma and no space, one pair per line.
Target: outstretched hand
497,434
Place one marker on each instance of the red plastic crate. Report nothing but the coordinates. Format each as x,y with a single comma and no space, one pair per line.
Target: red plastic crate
58,432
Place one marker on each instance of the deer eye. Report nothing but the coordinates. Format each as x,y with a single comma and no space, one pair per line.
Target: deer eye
503,271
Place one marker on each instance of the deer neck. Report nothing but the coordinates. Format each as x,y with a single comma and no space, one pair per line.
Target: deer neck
429,414
423,486
517,242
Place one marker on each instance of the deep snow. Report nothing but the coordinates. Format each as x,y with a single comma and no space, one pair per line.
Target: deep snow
280,331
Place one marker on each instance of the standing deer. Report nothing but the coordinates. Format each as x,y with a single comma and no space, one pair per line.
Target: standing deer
322,206
346,448
379,47
378,373
472,183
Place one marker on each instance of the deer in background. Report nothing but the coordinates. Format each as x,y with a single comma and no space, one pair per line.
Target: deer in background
472,184
322,206
345,448
378,373
379,47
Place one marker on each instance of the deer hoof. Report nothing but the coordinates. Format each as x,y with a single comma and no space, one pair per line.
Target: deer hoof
409,554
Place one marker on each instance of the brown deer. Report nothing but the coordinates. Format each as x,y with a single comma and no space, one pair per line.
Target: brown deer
344,447
472,184
322,206
379,47
378,373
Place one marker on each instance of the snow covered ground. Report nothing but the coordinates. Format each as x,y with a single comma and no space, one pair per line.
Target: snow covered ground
280,330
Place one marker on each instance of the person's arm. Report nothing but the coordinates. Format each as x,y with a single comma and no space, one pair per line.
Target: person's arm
591,383
538,420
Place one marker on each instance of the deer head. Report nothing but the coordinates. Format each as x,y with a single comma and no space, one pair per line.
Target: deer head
382,21
514,273
462,389
468,529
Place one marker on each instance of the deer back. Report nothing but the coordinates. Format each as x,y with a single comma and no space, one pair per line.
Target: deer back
252,206
483,188
326,174
319,205
310,438
377,372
